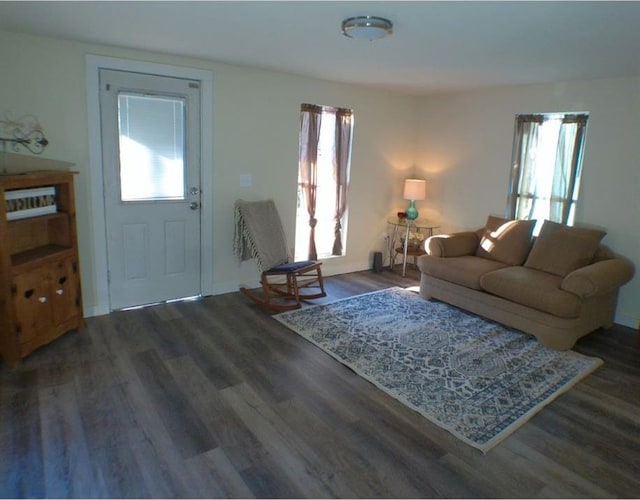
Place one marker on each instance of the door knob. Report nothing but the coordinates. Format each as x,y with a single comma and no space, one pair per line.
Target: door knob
194,205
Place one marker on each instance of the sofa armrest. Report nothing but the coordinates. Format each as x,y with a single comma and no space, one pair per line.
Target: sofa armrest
452,245
598,278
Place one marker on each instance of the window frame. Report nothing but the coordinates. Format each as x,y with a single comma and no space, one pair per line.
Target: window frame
569,198
325,156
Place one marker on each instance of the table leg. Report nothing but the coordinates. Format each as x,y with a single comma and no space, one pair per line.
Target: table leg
406,245
392,247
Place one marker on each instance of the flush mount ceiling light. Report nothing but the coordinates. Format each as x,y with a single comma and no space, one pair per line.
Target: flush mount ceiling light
366,27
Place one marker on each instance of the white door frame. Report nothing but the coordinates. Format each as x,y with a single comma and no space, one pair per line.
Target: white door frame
93,66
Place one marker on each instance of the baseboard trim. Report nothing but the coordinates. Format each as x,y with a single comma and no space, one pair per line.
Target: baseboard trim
90,312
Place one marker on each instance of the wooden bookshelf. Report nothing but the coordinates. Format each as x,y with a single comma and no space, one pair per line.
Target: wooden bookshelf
40,293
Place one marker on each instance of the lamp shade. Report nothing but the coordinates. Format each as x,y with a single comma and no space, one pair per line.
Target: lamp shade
415,189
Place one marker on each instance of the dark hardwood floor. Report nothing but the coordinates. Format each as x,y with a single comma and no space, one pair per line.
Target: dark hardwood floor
214,398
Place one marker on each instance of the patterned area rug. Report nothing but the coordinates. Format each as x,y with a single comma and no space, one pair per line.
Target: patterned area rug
475,378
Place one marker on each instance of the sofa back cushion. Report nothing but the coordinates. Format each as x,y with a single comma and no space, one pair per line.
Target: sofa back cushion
560,249
493,223
506,241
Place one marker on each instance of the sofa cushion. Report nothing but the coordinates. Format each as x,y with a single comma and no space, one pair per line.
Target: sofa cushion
465,271
493,223
560,249
507,241
532,288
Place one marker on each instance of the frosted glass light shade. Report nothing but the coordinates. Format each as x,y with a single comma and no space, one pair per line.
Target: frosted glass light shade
367,27
415,189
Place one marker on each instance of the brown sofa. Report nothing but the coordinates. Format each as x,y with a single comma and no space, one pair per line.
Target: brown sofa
559,286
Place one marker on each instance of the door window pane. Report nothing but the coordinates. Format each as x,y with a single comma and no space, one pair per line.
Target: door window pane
152,147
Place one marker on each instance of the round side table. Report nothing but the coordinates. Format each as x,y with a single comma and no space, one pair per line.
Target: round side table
406,226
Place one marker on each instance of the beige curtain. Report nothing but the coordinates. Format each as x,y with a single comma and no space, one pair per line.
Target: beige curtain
310,119
342,152
523,167
568,167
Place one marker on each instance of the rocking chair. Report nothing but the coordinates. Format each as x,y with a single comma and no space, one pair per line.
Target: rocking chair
259,234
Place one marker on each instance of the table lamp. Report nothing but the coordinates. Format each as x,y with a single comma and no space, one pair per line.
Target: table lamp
414,189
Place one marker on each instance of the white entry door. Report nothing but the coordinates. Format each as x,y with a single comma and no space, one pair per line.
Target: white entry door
151,161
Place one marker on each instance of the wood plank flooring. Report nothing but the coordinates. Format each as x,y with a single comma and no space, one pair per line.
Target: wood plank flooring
214,398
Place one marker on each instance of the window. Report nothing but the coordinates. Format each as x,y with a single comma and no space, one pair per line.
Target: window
323,181
546,167
152,142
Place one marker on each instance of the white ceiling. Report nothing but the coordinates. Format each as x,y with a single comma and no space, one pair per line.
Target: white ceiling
436,46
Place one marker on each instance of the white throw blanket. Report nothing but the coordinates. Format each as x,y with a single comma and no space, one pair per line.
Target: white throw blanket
259,234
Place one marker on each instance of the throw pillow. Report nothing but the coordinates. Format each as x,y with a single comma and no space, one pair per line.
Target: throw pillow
507,241
492,224
560,249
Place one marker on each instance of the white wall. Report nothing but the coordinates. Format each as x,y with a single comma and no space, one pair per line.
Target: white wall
465,144
461,143
255,131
